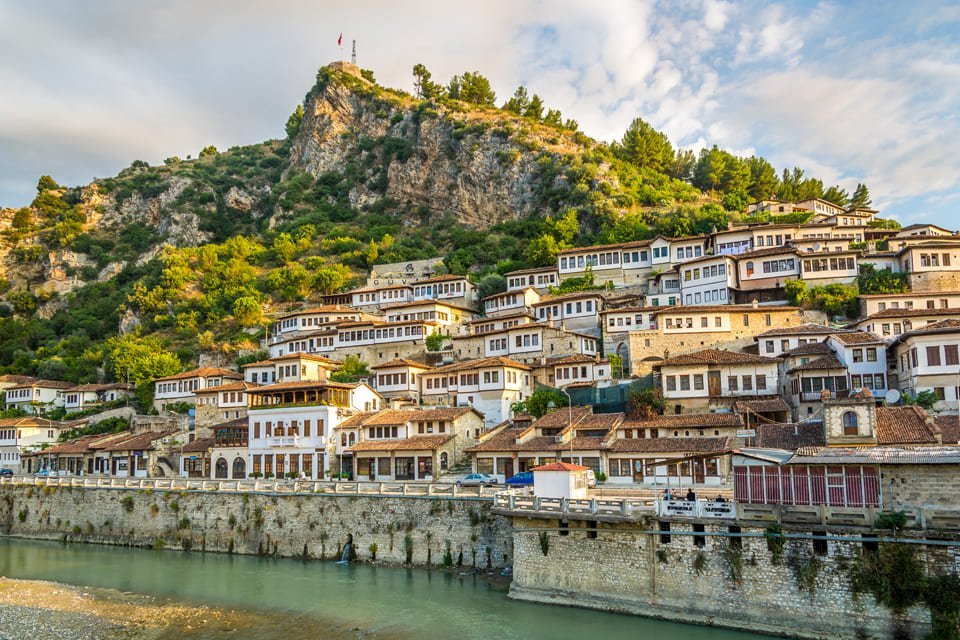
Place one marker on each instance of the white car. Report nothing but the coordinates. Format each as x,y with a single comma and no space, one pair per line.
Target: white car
477,480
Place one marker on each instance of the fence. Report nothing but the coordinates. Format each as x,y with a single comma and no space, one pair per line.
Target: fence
306,487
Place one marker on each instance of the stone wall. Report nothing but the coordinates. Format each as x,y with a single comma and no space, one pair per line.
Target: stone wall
799,593
257,523
934,281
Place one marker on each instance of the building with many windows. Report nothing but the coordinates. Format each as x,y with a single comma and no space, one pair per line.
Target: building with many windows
928,359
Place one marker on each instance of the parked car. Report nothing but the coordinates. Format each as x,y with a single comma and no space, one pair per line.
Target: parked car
477,480
43,473
6,473
522,479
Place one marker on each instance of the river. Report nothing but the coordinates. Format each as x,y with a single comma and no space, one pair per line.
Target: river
323,600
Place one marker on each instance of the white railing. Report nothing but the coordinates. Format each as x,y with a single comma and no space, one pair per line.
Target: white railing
613,507
259,485
704,509
283,441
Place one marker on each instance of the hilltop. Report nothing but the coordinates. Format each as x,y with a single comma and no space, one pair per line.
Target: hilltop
194,254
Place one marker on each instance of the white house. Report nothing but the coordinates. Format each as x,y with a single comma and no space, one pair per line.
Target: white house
865,357
452,289
376,296
490,385
715,378
399,378
24,435
86,396
560,480
575,311
927,360
290,424
510,302
540,279
37,396
708,280
180,387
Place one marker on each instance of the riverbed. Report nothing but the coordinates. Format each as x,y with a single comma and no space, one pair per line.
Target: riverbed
96,592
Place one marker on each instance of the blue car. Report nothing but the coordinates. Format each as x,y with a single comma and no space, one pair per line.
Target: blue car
522,479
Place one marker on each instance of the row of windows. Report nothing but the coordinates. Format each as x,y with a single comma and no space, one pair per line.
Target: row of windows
292,428
714,295
539,280
934,359
772,240
933,260
734,383
569,309
708,272
908,304
386,379
439,289
831,264
380,334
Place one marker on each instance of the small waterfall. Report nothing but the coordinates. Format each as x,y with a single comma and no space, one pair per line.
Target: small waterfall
347,552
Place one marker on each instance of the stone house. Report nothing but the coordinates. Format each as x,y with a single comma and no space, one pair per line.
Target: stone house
927,359
712,379
181,387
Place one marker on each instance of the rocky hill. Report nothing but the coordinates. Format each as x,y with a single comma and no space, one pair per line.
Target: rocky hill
195,254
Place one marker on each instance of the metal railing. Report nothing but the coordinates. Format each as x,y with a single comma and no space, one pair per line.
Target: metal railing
259,485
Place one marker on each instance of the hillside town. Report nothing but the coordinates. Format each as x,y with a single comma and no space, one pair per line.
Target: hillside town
646,362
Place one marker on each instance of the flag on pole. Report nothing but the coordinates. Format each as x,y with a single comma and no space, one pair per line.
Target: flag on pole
340,39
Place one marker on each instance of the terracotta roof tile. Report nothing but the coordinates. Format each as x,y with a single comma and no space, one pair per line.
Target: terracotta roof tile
859,337
790,437
691,420
401,362
240,385
138,442
949,427
560,466
811,348
200,445
416,443
716,356
803,329
826,362
904,425
670,445
494,361
202,372
769,405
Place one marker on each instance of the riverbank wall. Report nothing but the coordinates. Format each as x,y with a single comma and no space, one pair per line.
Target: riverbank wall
801,589
419,530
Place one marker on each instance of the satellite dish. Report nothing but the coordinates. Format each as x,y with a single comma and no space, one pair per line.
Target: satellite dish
893,396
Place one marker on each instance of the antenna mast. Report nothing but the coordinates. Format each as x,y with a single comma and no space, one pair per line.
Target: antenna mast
353,56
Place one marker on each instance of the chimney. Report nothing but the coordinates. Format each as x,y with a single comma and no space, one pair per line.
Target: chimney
756,303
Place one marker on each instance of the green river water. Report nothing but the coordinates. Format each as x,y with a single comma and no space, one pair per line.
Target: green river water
324,600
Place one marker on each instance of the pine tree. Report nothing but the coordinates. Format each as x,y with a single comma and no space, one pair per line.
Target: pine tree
534,108
519,102
837,195
861,197
425,87
645,147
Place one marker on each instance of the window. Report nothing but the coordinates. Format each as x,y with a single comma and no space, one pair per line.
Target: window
761,382
698,381
732,383
671,383
850,423
747,383
871,354
858,355
933,356
684,383
950,354
769,346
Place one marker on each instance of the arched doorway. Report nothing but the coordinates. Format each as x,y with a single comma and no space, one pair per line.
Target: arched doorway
221,470
444,461
239,469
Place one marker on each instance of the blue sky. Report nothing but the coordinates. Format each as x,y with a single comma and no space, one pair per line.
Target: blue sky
849,91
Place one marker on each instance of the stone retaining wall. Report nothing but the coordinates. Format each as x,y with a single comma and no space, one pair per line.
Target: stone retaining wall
798,594
418,528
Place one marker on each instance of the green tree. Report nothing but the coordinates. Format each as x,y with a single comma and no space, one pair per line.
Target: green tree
209,151
434,341
423,83
837,195
139,359
553,118
542,251
330,278
872,280
763,178
534,108
293,122
796,291
472,87
172,160
645,147
22,301
709,170
645,402
491,284
682,165
861,197
518,102
538,404
247,311
46,183
351,371
22,219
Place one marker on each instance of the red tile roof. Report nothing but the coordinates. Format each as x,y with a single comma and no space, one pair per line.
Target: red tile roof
824,363
415,443
202,372
401,362
688,420
561,466
716,356
904,425
670,445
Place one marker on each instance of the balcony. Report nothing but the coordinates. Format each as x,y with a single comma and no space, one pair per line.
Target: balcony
283,441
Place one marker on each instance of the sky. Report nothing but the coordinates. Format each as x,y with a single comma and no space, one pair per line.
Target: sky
849,91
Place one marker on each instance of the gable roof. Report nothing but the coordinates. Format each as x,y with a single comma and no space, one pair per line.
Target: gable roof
806,328
202,372
402,416
716,356
560,466
790,437
401,362
858,337
824,363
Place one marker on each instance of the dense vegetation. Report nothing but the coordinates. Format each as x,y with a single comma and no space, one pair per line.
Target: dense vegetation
269,235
